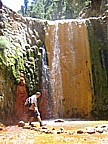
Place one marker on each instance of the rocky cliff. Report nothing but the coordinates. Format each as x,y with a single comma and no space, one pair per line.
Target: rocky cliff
20,41
76,67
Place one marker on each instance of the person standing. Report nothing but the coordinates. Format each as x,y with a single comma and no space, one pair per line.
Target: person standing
33,109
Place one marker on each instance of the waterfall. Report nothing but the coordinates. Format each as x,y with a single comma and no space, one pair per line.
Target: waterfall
70,43
56,79
70,68
46,107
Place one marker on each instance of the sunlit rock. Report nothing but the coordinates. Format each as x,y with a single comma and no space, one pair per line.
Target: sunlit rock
80,132
90,130
59,120
21,124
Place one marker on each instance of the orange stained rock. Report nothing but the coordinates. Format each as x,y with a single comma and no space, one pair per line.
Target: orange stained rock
70,67
43,105
21,95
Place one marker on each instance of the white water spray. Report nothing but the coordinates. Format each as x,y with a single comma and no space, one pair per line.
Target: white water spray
56,79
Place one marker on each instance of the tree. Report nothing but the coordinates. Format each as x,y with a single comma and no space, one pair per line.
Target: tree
60,9
26,5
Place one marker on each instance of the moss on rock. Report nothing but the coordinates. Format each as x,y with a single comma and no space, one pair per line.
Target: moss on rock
99,59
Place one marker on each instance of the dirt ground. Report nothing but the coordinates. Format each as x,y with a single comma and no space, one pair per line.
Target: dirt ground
57,131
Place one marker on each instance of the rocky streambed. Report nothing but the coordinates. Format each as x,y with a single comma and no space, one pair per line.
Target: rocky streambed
56,131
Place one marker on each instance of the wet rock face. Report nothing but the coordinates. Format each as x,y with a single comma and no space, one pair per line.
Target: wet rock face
97,8
81,52
69,60
21,95
20,40
97,31
7,93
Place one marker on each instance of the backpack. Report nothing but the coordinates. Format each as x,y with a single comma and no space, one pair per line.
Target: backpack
28,102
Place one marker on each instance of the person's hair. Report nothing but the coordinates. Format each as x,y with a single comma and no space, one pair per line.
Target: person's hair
38,93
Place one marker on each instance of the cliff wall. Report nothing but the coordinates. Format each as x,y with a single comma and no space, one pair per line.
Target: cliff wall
77,53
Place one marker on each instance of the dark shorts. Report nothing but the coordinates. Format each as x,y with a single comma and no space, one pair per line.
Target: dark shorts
33,114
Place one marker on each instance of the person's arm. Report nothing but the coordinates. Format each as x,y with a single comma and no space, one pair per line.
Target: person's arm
35,109
32,106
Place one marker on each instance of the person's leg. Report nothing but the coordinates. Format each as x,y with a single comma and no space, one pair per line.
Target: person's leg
39,118
31,117
31,120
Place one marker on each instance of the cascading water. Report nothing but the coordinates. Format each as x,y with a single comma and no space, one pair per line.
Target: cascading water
46,96
56,80
70,68
70,43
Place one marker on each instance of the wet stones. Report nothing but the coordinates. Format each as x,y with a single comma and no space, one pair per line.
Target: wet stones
27,127
59,120
90,130
21,124
61,130
44,127
101,129
93,130
49,132
80,132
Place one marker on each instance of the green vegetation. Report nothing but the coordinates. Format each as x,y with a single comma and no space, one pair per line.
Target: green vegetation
55,9
4,44
11,56
99,60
